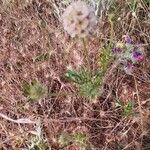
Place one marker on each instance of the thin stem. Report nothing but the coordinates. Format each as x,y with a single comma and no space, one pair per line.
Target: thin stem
61,94
70,119
86,54
111,30
140,107
20,121
99,9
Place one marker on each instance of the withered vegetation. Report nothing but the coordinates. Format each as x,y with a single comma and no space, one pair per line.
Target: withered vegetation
35,53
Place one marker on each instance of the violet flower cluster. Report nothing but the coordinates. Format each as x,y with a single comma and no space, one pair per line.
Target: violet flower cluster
128,54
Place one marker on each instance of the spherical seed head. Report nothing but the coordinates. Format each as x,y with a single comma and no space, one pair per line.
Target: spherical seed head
79,19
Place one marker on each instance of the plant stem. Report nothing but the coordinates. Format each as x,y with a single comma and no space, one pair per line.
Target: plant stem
60,94
86,54
99,9
110,18
140,107
111,32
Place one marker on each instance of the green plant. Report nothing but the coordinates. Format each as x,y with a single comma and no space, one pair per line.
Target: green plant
64,139
38,142
34,90
78,138
133,5
105,59
127,109
88,84
41,57
111,19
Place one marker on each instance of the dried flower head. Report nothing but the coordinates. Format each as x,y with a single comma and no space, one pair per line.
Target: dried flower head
79,19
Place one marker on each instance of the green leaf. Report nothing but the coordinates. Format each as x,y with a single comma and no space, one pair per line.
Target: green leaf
41,57
80,138
64,139
74,76
105,59
87,82
34,90
128,109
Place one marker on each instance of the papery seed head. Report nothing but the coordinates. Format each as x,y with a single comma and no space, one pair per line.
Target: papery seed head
79,19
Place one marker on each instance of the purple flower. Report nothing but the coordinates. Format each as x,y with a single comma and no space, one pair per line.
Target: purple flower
117,50
137,56
127,39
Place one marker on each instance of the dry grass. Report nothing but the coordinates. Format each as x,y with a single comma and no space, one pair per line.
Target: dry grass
29,29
